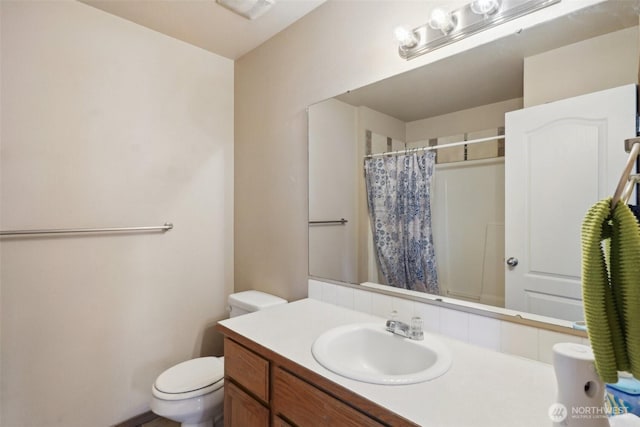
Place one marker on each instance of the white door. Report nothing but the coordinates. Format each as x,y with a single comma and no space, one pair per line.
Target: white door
560,159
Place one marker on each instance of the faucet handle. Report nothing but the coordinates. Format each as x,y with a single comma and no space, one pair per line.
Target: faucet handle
392,320
416,332
391,325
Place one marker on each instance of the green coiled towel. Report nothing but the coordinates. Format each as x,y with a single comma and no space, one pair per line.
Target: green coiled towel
611,288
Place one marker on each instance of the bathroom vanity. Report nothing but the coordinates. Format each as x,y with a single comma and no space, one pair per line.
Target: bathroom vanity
272,378
261,386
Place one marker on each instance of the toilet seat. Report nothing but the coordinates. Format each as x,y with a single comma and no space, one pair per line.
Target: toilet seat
193,378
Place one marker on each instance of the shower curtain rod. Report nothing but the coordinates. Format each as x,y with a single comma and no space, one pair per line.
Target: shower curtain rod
435,147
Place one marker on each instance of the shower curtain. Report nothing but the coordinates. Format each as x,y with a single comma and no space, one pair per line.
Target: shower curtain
398,197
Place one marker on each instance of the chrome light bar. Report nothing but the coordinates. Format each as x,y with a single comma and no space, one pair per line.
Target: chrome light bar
464,22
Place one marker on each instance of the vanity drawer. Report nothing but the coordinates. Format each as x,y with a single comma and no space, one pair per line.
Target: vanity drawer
242,410
305,405
247,369
279,422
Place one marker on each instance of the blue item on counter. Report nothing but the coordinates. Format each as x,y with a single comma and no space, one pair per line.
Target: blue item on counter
624,396
581,325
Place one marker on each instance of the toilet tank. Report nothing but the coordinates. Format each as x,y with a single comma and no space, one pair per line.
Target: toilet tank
249,301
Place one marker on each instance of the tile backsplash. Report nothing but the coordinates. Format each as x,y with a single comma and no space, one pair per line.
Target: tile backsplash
494,334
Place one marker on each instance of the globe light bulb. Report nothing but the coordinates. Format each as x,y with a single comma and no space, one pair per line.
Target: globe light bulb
406,38
485,7
441,20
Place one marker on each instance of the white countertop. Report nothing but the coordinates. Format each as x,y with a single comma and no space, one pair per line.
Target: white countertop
482,387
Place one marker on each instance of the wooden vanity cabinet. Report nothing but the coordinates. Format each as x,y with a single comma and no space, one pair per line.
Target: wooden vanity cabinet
247,369
246,387
264,389
305,405
279,422
240,409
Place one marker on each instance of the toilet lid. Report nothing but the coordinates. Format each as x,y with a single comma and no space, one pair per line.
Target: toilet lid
191,375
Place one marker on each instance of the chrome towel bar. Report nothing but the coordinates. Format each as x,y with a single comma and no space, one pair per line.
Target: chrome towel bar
340,221
166,227
625,185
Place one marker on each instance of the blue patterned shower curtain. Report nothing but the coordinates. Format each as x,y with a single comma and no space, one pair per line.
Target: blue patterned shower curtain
398,195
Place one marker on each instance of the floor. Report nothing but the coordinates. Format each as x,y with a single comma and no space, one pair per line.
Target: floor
161,422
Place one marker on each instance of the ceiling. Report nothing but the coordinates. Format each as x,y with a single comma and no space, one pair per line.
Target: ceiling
206,24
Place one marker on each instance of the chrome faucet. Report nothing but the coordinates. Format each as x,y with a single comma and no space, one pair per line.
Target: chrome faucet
413,332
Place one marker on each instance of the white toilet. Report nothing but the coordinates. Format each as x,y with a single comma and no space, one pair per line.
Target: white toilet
192,392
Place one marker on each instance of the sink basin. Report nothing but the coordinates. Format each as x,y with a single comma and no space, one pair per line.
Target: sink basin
368,352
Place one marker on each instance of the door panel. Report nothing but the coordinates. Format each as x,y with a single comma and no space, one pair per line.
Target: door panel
560,159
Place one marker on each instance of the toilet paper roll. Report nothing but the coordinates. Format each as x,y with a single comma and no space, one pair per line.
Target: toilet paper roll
581,393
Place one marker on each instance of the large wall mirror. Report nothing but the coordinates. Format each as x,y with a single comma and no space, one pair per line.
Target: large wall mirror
534,123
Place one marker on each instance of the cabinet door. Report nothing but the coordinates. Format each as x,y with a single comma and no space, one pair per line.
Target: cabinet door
242,410
305,405
247,369
279,422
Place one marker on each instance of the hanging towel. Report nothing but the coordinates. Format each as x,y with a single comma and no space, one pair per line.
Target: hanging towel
611,288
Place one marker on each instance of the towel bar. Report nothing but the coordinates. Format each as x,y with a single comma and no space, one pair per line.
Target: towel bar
166,227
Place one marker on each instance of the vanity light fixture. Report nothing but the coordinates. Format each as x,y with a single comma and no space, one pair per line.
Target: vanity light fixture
445,28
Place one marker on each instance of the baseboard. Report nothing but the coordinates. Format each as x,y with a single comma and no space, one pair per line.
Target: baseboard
138,420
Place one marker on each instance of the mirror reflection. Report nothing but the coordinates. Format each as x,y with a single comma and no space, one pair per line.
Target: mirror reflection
491,158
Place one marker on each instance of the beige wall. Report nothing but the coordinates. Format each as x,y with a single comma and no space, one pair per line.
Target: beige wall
489,116
333,189
106,123
589,66
339,46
